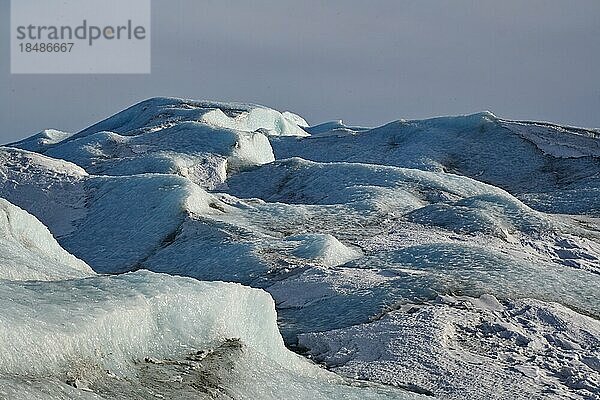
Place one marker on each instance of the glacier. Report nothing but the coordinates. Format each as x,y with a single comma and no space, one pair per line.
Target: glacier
66,332
454,257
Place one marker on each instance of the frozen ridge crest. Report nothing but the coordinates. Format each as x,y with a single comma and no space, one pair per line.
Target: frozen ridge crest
161,112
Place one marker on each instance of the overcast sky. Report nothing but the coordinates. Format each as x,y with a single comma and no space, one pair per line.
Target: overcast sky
367,62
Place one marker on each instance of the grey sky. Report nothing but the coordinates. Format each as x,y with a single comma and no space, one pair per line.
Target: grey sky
367,62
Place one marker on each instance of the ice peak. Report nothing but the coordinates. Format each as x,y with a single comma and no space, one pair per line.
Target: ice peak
161,112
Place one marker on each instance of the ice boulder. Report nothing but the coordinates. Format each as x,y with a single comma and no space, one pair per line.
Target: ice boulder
323,248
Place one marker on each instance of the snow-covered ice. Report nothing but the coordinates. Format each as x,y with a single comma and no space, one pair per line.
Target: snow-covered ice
145,335
457,257
48,188
161,112
461,347
30,252
42,140
67,333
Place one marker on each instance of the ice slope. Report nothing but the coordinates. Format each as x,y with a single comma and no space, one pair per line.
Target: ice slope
387,189
122,221
41,141
198,151
30,252
473,348
533,161
421,233
119,337
145,335
556,140
161,112
164,222
198,140
129,217
48,188
110,222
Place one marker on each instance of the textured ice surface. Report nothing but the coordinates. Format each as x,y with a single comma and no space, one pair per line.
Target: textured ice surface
42,140
110,222
558,141
30,252
145,335
513,156
161,112
195,150
198,140
130,216
48,188
472,348
472,242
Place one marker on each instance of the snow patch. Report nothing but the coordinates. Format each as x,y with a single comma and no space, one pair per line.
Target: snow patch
258,118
